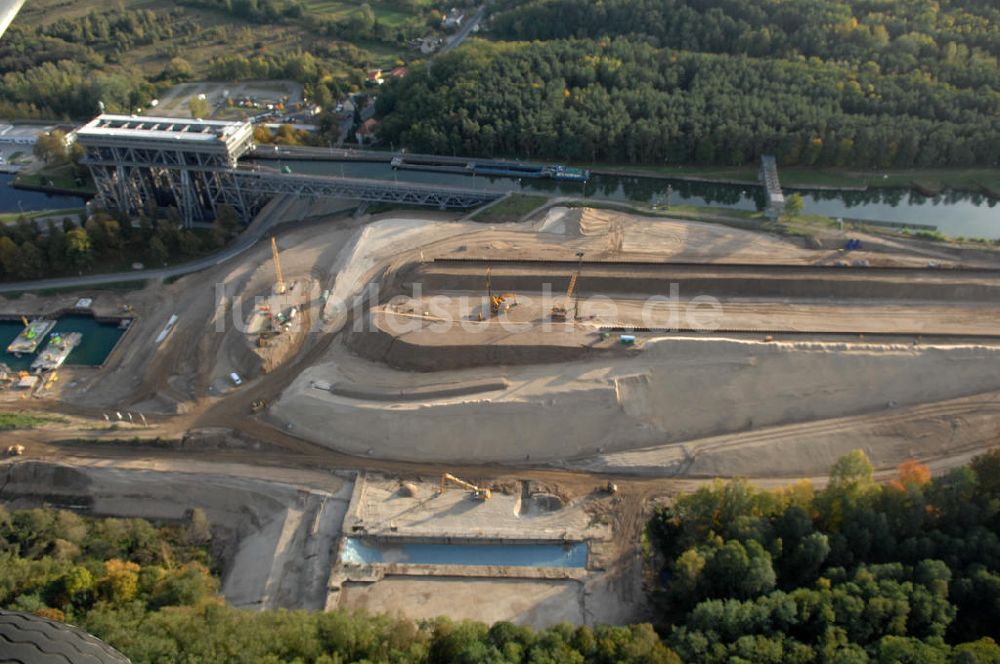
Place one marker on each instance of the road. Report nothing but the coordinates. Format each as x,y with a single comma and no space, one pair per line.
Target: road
466,30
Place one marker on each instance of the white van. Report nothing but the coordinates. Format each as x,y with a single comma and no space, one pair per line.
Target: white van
235,377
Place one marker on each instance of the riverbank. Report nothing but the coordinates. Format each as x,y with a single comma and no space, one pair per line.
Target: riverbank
929,182
57,214
62,185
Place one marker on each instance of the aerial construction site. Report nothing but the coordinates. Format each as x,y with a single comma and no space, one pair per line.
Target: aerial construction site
418,412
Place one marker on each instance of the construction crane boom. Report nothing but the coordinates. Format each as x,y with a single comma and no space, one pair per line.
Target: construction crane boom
560,312
478,492
277,265
572,285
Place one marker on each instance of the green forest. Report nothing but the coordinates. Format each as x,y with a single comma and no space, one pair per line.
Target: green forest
906,572
61,67
847,83
29,250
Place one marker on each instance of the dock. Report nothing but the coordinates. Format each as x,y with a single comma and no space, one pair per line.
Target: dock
769,178
31,337
55,354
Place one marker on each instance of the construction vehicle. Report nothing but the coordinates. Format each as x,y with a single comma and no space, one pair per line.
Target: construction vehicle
24,320
15,450
560,312
257,405
479,493
498,303
277,266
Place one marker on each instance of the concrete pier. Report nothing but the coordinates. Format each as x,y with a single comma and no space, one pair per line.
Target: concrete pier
769,178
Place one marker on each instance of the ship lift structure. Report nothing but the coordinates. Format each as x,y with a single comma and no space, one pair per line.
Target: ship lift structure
194,166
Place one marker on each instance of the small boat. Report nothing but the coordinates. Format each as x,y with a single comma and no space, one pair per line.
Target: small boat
569,174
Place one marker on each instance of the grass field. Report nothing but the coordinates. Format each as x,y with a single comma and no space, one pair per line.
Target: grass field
511,208
337,9
54,182
25,420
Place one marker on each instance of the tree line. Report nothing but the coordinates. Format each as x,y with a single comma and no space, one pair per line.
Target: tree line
149,590
63,69
857,572
32,250
622,100
61,565
258,11
957,41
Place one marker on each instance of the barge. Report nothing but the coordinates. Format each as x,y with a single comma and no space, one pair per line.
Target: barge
508,169
31,337
55,354
433,165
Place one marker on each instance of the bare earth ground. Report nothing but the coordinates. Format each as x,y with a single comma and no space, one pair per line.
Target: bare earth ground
570,413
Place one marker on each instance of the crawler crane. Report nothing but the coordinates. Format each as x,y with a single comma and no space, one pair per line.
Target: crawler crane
479,493
559,311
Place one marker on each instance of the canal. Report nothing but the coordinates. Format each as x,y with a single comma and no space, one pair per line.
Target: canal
99,339
957,214
20,200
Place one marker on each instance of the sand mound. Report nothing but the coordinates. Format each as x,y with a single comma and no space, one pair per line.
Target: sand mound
595,222
677,389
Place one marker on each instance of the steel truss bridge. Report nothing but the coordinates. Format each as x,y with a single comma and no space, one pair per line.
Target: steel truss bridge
375,191
193,165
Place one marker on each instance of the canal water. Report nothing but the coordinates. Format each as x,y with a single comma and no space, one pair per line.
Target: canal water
957,214
954,213
17,200
99,339
358,552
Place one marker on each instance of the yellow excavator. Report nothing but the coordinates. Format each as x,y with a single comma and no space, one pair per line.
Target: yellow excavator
559,312
479,493
498,303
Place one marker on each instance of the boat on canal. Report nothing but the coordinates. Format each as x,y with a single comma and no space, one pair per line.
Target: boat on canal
55,354
31,337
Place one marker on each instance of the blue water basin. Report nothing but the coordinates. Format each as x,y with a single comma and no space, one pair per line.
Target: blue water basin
358,552
99,339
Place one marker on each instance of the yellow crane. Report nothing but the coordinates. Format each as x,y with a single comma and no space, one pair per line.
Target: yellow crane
479,493
277,266
560,311
24,320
